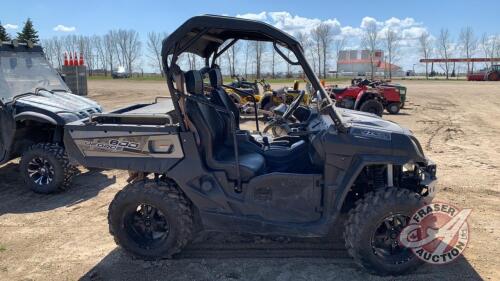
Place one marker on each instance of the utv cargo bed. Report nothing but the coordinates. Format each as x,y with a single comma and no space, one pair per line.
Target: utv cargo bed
140,138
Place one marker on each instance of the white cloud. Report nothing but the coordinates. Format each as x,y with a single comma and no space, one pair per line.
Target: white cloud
11,26
63,28
350,32
261,16
407,28
367,22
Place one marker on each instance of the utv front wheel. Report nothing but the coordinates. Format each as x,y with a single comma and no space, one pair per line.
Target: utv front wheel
372,106
373,227
45,168
151,219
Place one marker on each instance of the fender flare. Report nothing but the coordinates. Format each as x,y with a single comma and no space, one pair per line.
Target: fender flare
35,116
358,164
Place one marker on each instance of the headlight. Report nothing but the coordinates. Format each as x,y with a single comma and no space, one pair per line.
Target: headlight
69,117
408,167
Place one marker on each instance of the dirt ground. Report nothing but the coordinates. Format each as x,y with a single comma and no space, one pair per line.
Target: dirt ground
65,236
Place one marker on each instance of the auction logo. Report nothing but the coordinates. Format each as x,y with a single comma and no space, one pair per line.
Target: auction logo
437,233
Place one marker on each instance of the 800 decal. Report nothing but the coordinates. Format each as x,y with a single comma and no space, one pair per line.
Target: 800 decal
113,145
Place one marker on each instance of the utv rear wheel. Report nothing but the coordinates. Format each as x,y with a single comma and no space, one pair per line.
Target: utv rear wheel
393,108
372,231
372,106
45,168
151,219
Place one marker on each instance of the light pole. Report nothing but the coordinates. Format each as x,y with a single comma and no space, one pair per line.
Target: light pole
414,69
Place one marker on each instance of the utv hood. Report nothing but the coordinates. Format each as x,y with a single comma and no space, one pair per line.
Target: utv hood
58,102
359,119
371,135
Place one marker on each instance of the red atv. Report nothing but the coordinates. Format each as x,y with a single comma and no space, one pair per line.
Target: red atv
364,95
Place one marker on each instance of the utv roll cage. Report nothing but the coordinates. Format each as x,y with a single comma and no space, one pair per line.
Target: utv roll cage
204,35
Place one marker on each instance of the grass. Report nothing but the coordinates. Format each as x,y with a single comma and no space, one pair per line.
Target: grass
226,79
2,248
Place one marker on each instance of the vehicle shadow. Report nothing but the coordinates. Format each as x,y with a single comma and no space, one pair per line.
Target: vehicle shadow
261,258
17,198
399,113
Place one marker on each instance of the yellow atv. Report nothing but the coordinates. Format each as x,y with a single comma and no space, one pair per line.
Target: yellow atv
286,95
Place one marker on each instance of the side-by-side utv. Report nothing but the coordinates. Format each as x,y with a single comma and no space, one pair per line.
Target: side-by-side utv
35,104
202,172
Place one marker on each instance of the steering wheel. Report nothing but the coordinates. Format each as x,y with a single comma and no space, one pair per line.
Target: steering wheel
294,105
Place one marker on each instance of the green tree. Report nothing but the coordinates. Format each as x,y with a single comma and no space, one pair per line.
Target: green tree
28,33
4,36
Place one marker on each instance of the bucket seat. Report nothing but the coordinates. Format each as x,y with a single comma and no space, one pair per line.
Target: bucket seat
217,149
281,156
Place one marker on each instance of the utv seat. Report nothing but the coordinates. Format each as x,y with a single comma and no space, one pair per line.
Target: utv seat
219,95
217,150
280,155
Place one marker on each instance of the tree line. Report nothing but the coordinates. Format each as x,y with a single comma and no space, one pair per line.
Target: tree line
123,48
467,45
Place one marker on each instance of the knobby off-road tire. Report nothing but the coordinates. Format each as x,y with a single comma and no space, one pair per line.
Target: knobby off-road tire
169,202
494,76
365,219
55,163
393,108
372,106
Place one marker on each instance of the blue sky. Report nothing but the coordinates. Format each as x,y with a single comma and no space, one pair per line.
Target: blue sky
97,17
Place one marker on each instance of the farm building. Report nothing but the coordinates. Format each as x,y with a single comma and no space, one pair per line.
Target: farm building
357,63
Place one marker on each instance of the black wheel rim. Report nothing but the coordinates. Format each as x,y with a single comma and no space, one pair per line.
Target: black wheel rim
41,171
385,240
146,225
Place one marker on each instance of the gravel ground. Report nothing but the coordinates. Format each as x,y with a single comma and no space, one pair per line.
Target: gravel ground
65,236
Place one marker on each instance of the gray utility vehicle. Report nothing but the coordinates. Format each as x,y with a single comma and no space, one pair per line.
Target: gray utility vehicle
35,104
203,172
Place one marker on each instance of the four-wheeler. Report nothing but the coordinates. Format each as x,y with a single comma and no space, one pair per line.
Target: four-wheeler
201,172
402,91
285,95
367,96
35,104
490,74
249,92
387,83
